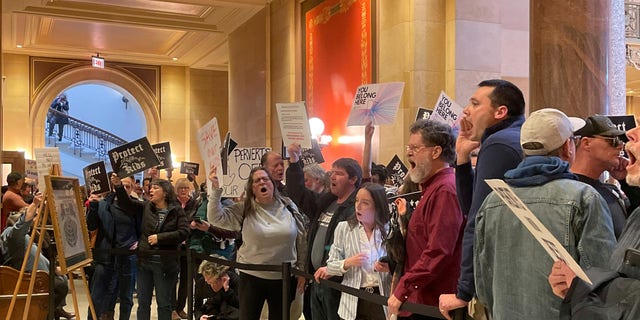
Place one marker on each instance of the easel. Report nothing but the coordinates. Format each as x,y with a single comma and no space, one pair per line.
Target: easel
44,212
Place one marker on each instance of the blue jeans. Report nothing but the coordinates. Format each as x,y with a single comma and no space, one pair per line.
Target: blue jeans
103,284
125,267
324,302
162,275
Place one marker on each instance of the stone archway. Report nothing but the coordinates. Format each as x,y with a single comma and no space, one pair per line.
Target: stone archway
87,74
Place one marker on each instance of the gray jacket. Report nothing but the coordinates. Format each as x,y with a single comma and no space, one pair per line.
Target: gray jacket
511,268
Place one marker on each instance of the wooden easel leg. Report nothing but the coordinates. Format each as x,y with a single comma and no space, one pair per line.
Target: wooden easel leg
72,288
88,293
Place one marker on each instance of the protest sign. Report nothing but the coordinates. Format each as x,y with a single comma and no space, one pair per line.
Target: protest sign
45,158
447,111
376,103
550,244
423,114
31,169
397,171
96,179
240,163
189,167
133,157
210,146
294,123
624,123
163,152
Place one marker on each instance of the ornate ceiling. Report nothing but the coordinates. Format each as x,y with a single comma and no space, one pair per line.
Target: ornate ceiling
190,33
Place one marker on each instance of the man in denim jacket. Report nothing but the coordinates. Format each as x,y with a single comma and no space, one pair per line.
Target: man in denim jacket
510,267
615,293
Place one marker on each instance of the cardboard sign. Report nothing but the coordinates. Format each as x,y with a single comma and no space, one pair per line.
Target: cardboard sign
133,157
294,123
45,158
163,152
550,244
96,179
447,111
189,167
397,171
376,103
31,169
423,114
241,161
210,145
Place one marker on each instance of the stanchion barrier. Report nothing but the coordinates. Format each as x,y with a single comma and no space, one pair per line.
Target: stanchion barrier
287,270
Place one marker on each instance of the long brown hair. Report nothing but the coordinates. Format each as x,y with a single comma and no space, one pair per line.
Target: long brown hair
381,206
248,189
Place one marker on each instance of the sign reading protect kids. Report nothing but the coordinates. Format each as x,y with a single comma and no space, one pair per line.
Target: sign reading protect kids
133,157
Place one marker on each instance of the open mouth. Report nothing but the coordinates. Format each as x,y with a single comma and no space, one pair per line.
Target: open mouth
632,158
263,189
412,164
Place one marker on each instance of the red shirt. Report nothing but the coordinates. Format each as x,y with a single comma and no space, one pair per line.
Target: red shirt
11,202
434,243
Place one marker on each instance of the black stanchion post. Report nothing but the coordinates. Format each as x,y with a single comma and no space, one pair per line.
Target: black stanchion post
286,284
189,284
52,274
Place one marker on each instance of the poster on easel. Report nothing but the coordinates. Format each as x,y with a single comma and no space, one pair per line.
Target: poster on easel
45,158
69,226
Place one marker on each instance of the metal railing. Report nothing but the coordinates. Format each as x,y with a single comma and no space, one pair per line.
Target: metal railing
84,136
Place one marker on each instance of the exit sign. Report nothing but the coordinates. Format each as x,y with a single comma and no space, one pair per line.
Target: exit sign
97,62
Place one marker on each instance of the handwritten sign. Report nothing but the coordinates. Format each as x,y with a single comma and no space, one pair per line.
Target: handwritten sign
447,111
376,103
133,157
423,114
95,178
45,158
550,244
31,169
241,161
163,152
210,144
189,167
294,123
397,171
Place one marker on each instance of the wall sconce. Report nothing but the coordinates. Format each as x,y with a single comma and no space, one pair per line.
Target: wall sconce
316,126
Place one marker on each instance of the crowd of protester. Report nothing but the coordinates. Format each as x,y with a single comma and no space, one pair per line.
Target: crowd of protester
459,246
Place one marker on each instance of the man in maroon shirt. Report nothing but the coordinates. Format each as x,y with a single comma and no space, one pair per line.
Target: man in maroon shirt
434,241
12,199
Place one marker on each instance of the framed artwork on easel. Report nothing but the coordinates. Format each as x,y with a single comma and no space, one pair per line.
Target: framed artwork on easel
65,207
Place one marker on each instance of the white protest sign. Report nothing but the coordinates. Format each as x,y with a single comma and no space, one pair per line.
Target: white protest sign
241,161
31,169
537,229
376,103
294,123
45,158
447,111
209,144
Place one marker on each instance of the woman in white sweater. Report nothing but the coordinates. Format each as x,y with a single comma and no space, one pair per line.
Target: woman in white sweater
273,232
357,248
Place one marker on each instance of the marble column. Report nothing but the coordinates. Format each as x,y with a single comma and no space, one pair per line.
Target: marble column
573,61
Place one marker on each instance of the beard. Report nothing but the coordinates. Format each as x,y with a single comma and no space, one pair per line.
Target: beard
419,173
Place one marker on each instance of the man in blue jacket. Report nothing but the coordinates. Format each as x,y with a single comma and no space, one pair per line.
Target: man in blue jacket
492,119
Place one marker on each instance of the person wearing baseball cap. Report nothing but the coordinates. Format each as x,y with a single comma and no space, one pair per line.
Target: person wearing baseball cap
598,148
572,211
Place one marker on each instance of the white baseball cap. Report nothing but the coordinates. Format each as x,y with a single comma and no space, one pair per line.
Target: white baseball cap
546,130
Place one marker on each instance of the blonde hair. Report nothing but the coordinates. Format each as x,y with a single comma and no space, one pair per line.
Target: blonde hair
184,182
212,269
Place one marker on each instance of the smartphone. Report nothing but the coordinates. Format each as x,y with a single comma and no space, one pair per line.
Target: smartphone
384,259
197,220
632,257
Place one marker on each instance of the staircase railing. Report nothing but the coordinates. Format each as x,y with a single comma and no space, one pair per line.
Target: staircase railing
83,135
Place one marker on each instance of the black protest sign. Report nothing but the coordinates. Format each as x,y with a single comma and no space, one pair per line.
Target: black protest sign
133,157
163,151
189,167
96,179
624,123
423,114
397,171
313,155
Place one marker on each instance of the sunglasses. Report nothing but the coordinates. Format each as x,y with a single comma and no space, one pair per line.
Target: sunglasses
613,141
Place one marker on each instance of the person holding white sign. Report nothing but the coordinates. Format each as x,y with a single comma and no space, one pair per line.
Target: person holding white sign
616,290
510,266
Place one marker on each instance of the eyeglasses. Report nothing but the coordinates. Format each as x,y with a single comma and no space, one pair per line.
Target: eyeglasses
415,149
613,141
261,179
575,139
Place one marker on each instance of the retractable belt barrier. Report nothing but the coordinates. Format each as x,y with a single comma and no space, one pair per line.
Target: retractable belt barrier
430,311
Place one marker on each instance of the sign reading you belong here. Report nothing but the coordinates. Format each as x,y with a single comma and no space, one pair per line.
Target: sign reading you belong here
133,157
